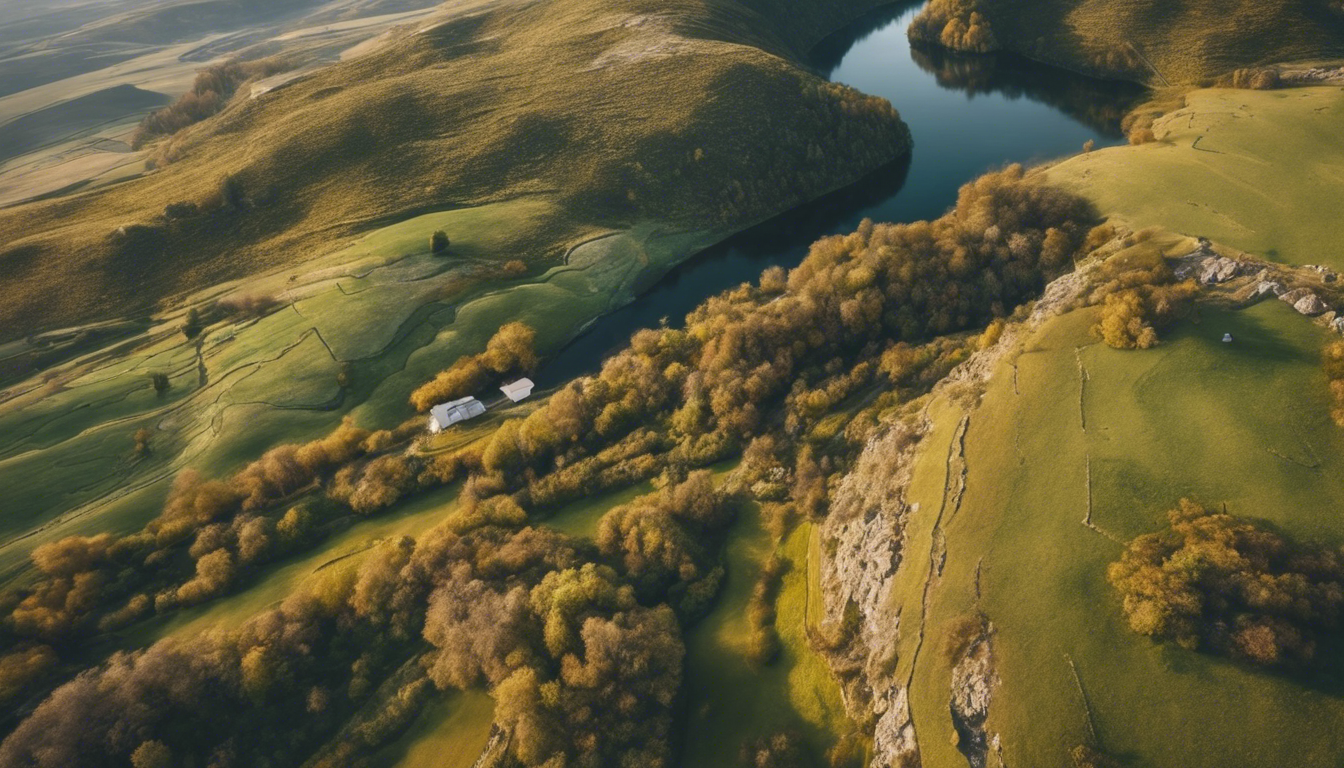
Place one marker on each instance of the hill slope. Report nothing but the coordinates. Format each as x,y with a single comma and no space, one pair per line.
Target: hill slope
1001,522
692,113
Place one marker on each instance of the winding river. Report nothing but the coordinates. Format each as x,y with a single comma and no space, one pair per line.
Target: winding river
967,114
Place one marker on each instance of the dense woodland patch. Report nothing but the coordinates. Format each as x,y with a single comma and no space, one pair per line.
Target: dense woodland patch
1219,584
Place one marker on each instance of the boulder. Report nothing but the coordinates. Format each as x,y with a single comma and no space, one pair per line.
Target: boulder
1295,295
1337,325
1218,269
1268,288
1310,304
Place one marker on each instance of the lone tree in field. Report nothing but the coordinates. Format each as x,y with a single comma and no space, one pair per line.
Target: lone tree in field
438,242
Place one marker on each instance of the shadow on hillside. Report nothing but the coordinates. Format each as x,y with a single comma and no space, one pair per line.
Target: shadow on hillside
828,54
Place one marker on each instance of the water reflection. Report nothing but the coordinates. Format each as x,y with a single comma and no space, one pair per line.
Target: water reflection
829,53
1098,104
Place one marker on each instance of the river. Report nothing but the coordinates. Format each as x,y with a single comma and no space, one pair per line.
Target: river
968,114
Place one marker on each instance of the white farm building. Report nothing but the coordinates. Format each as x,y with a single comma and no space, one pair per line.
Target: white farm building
518,390
445,415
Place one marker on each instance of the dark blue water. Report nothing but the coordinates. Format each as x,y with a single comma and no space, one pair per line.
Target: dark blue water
967,114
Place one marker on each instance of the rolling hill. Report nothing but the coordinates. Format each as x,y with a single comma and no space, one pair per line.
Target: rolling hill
588,104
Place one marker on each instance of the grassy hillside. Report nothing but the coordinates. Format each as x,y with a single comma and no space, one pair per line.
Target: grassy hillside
691,114
1185,42
1257,170
1069,423
1076,448
383,312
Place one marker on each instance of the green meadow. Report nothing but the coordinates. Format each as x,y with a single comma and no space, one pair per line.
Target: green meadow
1126,433
450,733
1261,171
385,307
730,701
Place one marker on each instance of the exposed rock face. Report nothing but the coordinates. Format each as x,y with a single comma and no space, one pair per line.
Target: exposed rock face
1304,301
973,683
1218,269
865,525
496,748
1269,288
894,730
1206,266
863,541
1337,325
1315,75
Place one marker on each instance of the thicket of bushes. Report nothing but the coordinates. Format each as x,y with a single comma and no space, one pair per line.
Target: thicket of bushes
763,642
209,94
584,659
1216,583
1259,79
1139,295
511,350
955,24
209,533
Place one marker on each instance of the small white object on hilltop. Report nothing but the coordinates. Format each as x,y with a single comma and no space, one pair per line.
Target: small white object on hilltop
447,414
518,390
1227,338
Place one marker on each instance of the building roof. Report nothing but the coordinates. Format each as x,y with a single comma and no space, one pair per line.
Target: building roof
517,390
450,413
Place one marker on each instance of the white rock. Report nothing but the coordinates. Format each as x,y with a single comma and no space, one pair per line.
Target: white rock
1295,295
1268,287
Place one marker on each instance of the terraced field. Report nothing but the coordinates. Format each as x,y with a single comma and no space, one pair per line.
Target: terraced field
386,307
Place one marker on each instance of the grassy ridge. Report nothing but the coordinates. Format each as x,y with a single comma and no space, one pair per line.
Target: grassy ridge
1257,170
621,112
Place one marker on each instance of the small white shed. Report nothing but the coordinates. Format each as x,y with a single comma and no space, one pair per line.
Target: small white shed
518,390
445,415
